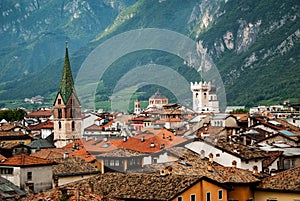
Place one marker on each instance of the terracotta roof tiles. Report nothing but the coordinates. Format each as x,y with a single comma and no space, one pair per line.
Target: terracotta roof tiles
288,180
40,113
25,160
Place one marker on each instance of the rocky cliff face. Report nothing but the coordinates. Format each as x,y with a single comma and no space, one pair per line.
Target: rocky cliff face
250,43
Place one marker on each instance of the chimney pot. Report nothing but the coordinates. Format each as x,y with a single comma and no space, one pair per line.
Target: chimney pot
255,170
233,164
211,157
209,166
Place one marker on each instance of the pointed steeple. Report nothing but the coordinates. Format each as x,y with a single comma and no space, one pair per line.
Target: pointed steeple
66,83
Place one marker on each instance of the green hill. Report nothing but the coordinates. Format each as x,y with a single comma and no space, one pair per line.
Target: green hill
254,45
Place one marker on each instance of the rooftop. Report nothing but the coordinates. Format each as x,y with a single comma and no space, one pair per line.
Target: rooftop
40,113
72,165
284,181
192,164
26,160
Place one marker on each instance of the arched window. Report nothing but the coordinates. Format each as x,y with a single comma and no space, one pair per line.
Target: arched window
59,125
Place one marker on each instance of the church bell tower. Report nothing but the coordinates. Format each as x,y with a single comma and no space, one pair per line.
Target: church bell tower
66,108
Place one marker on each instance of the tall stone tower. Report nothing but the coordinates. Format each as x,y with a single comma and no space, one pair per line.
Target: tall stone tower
137,107
204,97
66,108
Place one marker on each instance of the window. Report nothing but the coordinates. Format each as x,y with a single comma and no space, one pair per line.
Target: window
117,163
193,197
6,170
106,162
220,194
59,125
59,101
59,113
179,198
29,176
71,113
208,196
73,126
111,163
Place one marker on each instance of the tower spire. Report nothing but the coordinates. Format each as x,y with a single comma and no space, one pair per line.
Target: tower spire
66,83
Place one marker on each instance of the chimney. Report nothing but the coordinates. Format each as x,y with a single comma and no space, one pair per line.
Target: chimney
105,139
55,181
162,173
234,164
162,146
209,166
66,155
255,170
211,157
124,139
168,170
202,154
143,139
152,145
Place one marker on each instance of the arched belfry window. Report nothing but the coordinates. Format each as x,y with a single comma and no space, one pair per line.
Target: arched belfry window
59,113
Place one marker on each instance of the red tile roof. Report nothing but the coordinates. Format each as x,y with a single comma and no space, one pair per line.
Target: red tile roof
77,143
151,143
288,180
26,160
40,113
52,153
273,156
84,154
44,125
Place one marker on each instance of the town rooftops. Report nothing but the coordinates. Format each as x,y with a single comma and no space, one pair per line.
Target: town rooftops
24,160
191,164
40,113
238,150
72,166
9,191
84,154
288,133
52,153
121,153
284,181
40,144
44,125
14,135
117,186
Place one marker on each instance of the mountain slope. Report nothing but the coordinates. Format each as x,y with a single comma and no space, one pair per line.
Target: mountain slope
255,48
32,32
